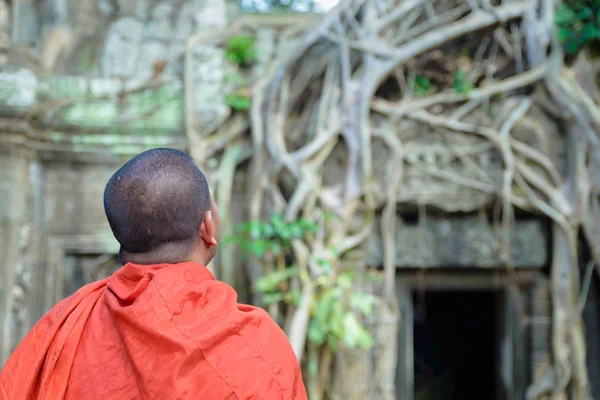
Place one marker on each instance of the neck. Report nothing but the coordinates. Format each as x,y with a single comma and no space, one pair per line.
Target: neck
169,253
201,256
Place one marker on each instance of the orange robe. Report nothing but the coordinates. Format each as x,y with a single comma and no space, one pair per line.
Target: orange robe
154,332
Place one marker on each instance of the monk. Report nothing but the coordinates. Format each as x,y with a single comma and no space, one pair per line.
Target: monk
161,327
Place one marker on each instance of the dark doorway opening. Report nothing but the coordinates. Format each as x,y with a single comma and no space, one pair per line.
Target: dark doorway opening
455,345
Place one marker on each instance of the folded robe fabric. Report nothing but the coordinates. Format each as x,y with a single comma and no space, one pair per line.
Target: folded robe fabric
166,331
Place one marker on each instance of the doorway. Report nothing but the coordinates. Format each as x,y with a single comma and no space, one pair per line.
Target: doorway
455,339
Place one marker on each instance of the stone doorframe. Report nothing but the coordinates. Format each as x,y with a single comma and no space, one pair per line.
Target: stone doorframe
533,339
101,242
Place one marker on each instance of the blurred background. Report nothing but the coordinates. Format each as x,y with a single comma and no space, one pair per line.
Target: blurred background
411,188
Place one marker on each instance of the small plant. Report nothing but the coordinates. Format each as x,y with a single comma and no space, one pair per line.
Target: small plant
422,86
336,306
237,102
461,83
241,49
578,23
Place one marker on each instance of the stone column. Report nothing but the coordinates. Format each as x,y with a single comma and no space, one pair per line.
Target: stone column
14,235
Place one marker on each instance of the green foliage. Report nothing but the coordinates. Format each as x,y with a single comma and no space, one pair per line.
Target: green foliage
274,236
336,306
461,83
237,102
422,86
241,49
578,23
336,309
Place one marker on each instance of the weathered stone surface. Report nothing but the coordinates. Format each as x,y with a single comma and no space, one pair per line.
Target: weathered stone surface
4,32
61,202
15,224
176,59
209,96
18,89
185,24
462,242
137,8
55,12
26,24
152,51
98,104
160,26
122,47
211,14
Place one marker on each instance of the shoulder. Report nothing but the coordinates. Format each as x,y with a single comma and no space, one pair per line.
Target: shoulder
241,343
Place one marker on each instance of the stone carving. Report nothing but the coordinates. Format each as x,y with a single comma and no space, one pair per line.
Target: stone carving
463,242
122,47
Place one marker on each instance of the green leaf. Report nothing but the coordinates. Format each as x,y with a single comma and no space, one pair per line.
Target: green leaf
345,280
259,247
586,13
307,225
365,339
275,247
422,86
281,228
572,47
325,267
354,334
564,15
352,330
267,230
293,297
323,307
563,34
332,342
270,282
238,103
241,49
461,83
272,298
296,231
317,333
363,302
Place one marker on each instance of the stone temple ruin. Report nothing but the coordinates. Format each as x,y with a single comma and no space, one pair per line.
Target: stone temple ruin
62,134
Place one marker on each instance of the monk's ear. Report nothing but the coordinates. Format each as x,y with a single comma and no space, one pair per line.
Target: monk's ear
207,230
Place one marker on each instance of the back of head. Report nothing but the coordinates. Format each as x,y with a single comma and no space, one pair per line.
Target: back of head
155,204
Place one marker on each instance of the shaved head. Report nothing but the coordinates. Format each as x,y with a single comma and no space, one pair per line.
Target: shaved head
155,205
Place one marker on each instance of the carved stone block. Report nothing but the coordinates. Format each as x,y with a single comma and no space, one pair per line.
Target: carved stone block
462,242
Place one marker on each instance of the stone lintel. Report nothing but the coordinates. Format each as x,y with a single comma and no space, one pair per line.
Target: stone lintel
463,242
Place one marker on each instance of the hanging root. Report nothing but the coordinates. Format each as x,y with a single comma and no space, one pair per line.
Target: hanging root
321,107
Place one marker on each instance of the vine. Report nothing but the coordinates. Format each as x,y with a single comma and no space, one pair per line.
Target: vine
336,307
